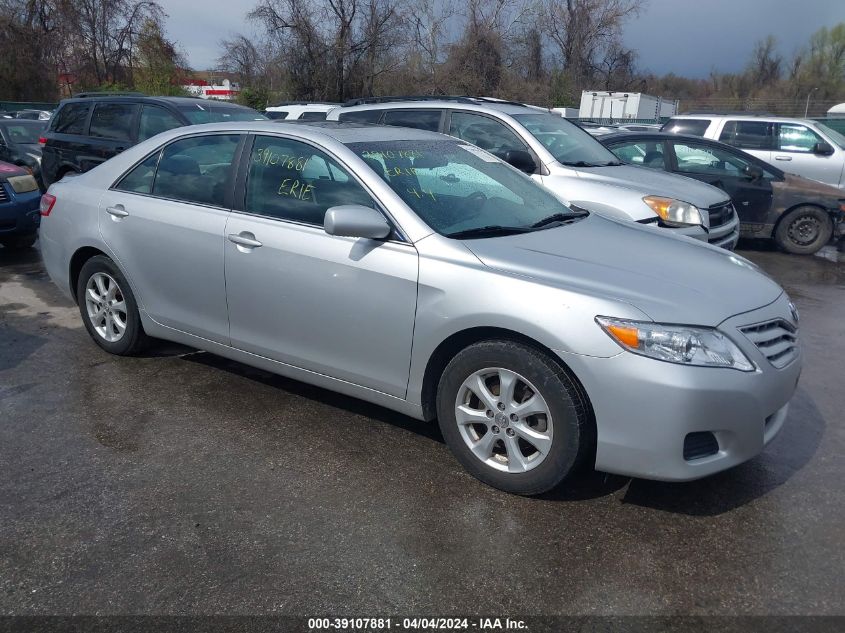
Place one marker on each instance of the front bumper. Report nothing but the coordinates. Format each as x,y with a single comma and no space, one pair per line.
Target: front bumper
645,408
19,212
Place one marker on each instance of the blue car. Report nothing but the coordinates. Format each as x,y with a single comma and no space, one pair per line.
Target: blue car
19,207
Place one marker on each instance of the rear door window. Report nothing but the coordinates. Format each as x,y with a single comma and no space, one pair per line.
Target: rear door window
747,134
155,120
140,179
419,119
113,121
695,127
645,153
71,118
196,169
361,116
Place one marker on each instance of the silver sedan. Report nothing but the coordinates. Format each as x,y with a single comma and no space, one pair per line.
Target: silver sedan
420,273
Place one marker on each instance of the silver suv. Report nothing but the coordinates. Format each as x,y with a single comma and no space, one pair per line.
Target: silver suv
797,146
566,159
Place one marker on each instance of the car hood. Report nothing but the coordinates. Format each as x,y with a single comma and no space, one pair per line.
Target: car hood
658,183
672,279
798,184
7,170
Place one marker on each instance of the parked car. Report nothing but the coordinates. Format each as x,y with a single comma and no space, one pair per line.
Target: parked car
19,207
34,115
418,272
19,144
800,214
91,128
798,146
300,111
566,159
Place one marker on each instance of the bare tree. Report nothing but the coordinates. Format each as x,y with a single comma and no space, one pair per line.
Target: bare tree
587,34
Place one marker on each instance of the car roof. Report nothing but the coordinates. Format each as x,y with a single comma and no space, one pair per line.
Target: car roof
144,98
744,117
339,131
486,106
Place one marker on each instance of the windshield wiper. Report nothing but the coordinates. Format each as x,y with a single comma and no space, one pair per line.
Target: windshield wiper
491,230
582,163
559,218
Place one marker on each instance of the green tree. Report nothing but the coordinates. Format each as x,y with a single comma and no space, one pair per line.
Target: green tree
159,64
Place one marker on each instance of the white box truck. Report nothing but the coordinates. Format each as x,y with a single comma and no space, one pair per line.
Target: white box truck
601,104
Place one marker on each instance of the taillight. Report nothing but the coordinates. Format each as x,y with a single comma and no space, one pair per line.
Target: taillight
42,141
47,202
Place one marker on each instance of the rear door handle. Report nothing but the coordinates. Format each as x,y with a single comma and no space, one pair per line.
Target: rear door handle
117,211
783,157
244,239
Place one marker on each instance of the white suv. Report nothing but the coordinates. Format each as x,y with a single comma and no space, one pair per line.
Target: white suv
299,111
564,158
798,146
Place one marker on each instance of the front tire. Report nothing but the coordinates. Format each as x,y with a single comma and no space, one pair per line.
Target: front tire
513,417
804,230
108,308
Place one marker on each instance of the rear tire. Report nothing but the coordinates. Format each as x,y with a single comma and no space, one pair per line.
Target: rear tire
108,308
804,230
525,424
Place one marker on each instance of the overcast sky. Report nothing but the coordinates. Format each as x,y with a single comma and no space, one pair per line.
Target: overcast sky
687,37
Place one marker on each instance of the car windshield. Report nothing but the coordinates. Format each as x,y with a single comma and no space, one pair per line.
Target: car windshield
462,191
568,143
24,132
207,113
836,137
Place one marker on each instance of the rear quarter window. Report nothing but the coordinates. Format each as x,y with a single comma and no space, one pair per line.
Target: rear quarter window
696,127
71,118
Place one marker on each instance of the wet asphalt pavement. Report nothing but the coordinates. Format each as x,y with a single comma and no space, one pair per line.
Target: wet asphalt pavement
180,482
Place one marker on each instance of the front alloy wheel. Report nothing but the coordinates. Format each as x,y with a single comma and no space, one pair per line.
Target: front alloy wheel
514,416
504,420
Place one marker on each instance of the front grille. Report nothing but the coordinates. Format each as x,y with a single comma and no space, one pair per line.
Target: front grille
777,339
701,444
720,214
4,196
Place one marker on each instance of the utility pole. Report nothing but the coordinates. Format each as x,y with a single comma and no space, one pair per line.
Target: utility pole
807,105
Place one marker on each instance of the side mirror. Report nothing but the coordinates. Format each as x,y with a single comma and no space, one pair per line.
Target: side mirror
753,172
355,220
823,149
522,160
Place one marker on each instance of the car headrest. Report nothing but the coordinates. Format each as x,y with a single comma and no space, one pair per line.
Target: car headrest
180,165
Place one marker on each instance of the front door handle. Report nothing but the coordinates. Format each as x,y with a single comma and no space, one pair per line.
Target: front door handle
783,157
244,239
117,211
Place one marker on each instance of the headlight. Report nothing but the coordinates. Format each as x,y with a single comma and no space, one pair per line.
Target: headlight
22,184
704,347
674,212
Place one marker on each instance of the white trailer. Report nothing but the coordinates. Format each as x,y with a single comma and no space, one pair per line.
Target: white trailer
601,104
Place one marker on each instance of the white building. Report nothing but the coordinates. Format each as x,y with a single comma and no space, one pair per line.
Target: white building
601,104
225,91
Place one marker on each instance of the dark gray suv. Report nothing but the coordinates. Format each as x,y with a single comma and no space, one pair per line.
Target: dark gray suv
92,127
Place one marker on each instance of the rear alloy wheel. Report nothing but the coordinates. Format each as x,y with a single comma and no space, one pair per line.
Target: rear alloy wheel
108,308
513,417
804,230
